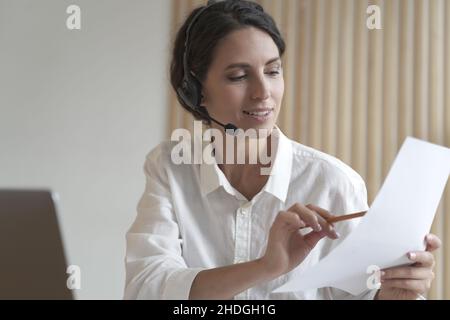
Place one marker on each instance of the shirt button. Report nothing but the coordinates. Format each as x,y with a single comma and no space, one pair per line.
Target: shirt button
244,211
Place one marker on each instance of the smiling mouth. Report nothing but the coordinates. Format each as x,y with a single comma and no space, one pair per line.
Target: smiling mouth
264,113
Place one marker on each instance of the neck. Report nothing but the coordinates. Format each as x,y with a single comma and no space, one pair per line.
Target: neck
242,156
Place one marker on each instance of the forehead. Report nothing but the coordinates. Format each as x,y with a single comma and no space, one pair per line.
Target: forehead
249,45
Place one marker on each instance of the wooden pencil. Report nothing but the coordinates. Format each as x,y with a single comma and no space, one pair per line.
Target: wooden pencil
346,217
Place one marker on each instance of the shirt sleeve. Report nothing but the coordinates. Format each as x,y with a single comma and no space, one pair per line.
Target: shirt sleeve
155,268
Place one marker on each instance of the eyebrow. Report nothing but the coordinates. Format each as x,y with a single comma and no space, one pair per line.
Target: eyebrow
246,65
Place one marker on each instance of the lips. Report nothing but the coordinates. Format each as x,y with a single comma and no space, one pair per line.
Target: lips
259,112
259,115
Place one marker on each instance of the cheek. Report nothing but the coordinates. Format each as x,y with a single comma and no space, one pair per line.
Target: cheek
278,92
232,97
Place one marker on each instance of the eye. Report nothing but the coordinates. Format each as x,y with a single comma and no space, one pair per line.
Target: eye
274,72
237,79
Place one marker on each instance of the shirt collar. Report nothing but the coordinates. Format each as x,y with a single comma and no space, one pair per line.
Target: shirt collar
211,177
279,180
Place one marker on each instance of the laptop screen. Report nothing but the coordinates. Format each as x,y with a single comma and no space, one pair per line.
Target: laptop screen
33,263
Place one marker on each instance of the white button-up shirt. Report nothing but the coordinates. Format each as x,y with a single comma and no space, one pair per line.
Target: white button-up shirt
190,218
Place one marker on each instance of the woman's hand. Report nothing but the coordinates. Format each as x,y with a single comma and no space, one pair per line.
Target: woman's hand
287,247
407,282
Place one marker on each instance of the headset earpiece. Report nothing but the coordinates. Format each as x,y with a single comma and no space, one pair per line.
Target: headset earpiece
191,91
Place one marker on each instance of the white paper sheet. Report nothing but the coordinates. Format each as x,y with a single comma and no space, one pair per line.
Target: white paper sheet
397,222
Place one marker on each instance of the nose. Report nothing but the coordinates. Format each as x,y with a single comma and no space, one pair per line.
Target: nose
260,89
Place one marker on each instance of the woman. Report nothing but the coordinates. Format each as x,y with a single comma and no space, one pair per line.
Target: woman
224,230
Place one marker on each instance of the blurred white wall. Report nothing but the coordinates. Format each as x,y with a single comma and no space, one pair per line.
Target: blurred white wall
79,110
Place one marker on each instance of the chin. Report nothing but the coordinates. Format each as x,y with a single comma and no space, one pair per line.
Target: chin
267,127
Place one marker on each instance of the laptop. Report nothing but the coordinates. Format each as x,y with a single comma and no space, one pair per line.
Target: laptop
32,260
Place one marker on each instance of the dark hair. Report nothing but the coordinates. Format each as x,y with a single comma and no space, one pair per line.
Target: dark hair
215,23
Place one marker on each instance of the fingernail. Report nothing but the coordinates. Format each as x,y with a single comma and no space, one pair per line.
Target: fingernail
412,256
337,234
319,228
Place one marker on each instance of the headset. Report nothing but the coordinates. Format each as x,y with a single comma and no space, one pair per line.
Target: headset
190,91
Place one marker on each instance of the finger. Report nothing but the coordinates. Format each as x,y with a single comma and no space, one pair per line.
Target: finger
322,218
416,273
312,238
422,258
433,242
289,220
324,213
417,286
307,215
315,221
